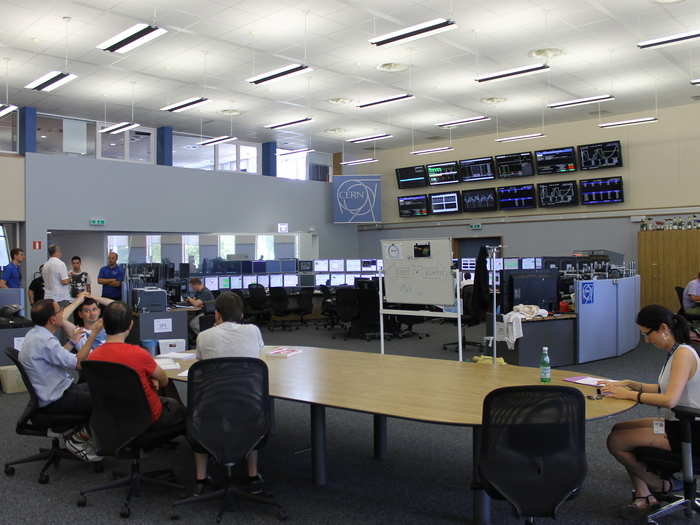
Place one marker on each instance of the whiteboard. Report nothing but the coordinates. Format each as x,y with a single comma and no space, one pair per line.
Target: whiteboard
418,271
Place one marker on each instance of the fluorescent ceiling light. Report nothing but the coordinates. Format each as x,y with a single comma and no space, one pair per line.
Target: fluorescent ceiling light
188,103
287,124
432,150
291,70
515,138
462,121
370,138
51,81
695,82
114,129
295,151
515,72
7,108
431,27
580,101
368,160
669,40
133,37
404,96
631,122
217,140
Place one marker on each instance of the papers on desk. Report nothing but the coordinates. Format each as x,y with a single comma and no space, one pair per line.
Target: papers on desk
183,373
587,380
282,351
167,364
181,355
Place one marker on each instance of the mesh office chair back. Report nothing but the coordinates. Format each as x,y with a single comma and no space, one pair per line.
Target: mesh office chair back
306,301
33,404
533,450
258,298
120,410
347,304
279,300
228,406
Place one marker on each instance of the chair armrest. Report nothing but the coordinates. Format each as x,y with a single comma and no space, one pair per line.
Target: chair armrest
686,412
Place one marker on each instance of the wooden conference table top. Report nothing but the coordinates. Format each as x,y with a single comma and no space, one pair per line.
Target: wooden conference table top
432,390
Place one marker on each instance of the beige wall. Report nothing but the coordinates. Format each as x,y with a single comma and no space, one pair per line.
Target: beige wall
661,164
12,188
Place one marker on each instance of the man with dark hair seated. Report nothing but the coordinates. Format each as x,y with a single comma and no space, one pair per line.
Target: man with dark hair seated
118,321
49,367
87,308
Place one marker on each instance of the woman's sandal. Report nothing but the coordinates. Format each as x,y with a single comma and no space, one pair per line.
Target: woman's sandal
667,494
632,510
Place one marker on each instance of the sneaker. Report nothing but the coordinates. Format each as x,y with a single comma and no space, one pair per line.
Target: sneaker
202,486
256,485
82,450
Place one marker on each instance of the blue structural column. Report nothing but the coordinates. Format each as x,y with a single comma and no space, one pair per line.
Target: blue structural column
269,159
27,130
164,146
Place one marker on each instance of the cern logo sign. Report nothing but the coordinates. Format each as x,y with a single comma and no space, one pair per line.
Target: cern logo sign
357,198
587,293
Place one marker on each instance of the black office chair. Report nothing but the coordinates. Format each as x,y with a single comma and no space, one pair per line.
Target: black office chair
666,463
229,414
328,307
281,307
533,447
33,422
120,422
347,308
257,305
206,321
468,319
681,311
409,321
305,303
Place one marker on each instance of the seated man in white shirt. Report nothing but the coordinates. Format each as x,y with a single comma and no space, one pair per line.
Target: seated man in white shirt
228,338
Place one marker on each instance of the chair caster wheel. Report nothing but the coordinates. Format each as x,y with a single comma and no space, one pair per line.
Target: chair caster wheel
9,471
98,467
43,478
125,512
82,501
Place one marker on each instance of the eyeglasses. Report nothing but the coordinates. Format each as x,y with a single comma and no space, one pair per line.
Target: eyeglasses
647,334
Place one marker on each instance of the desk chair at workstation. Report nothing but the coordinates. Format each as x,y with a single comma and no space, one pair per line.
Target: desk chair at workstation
681,311
347,308
468,319
305,303
280,306
532,449
33,422
328,307
666,463
120,423
230,415
257,306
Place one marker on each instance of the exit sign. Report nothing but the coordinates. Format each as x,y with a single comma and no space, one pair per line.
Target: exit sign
282,227
475,226
97,221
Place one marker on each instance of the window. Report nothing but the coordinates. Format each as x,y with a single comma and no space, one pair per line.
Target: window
227,245
65,135
188,154
153,249
8,133
265,247
248,156
140,149
4,251
291,166
136,145
227,156
119,244
190,250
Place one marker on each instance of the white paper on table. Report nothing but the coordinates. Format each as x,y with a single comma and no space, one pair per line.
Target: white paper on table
183,373
181,355
589,381
174,366
17,343
167,364
161,326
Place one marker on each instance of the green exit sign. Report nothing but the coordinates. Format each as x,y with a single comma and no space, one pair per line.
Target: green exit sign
97,221
475,226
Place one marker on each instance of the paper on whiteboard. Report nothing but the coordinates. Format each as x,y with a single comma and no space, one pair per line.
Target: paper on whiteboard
17,343
161,326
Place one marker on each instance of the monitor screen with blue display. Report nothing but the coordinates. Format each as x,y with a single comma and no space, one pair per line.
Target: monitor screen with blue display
259,266
516,197
289,265
236,282
291,280
602,191
273,266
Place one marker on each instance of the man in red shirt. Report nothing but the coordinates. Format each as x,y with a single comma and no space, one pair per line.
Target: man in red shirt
118,321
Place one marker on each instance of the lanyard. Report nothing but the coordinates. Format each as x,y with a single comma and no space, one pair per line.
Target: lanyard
668,357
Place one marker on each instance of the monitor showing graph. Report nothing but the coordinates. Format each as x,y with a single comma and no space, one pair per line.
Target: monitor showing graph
554,194
600,155
477,169
479,200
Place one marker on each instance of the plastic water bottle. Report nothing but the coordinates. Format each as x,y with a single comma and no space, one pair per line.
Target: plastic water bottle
545,369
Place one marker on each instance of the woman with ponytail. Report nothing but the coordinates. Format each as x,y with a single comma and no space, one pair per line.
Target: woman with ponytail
678,384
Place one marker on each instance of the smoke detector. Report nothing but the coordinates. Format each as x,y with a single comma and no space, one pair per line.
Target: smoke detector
493,100
231,112
334,131
392,67
340,100
545,53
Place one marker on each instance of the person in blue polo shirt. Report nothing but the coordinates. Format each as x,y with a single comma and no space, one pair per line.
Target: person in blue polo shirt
111,278
12,273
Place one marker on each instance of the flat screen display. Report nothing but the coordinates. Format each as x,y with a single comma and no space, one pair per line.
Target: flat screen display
602,191
264,280
441,203
517,197
307,280
273,266
600,155
233,267
236,282
337,279
336,265
515,165
477,169
259,266
291,280
442,173
413,206
276,280
248,280
499,264
224,283
369,265
380,265
246,267
289,265
479,200
413,177
305,266
320,265
553,161
353,265
528,263
211,283
555,194
321,279
468,264
350,278
511,263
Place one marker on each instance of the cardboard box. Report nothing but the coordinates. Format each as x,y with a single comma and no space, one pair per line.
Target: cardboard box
11,380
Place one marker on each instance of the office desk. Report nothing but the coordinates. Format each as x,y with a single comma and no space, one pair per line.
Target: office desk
431,390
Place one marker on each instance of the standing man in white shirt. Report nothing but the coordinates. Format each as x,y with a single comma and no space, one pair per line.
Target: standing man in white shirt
56,278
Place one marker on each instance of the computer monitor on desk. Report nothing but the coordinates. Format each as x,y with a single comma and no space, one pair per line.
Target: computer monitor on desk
291,280
224,283
264,280
305,266
538,287
246,267
369,265
236,282
337,279
276,280
289,265
350,278
307,280
336,265
273,266
259,266
321,279
211,282
353,265
320,265
248,280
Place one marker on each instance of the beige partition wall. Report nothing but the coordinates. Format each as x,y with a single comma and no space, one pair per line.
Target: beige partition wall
667,259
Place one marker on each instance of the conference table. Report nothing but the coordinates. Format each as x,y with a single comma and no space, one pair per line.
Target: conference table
430,390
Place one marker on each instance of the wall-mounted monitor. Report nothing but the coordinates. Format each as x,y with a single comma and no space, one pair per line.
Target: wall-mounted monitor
233,267
553,161
516,197
515,165
353,265
602,191
224,283
479,200
291,280
412,177
477,169
246,267
276,280
259,266
289,265
413,206
211,282
273,266
441,203
442,173
337,279
305,266
336,265
236,282
322,279
307,280
555,194
320,265
600,155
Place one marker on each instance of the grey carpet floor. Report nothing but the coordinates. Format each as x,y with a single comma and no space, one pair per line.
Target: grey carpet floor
423,480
